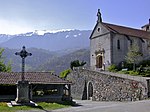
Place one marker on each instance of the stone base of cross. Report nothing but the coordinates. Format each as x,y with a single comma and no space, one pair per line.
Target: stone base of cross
22,92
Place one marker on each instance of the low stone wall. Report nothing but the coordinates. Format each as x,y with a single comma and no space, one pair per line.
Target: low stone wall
105,87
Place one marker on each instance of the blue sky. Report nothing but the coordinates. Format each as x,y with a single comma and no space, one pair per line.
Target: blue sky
20,16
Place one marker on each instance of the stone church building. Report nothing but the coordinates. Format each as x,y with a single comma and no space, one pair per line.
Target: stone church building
110,43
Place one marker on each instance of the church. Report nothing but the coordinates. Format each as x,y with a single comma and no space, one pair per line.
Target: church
110,43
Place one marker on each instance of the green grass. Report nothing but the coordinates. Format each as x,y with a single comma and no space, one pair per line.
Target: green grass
41,106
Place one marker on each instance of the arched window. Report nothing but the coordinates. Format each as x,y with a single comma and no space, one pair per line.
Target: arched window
98,29
131,43
118,44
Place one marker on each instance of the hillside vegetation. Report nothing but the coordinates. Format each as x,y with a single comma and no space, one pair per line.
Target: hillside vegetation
44,60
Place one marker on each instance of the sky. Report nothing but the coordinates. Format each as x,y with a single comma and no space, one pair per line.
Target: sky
21,16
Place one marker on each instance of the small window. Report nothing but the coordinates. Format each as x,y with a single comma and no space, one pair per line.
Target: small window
98,29
131,43
118,44
148,44
147,28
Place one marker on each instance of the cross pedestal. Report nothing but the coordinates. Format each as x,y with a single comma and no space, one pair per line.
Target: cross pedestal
22,92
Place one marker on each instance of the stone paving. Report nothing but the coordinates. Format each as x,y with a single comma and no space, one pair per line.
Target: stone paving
94,106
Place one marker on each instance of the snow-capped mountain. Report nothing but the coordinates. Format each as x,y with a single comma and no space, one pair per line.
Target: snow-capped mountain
4,37
49,40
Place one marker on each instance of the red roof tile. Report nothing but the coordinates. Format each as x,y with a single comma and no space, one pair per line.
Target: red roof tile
127,31
32,77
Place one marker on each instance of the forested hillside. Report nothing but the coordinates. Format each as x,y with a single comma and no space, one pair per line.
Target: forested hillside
39,56
58,64
44,60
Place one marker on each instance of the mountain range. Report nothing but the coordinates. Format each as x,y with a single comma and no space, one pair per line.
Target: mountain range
62,40
51,51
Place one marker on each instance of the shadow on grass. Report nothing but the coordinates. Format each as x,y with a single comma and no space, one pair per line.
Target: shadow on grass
41,108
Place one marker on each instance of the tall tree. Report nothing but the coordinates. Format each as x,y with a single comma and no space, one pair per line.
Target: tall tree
134,55
3,66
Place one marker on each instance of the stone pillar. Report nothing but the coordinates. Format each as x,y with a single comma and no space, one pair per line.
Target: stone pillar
148,87
22,92
60,88
69,91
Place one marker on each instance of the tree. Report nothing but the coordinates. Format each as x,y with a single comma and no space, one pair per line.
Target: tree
76,63
133,55
4,67
64,73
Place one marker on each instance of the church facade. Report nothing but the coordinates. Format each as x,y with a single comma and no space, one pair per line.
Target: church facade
109,43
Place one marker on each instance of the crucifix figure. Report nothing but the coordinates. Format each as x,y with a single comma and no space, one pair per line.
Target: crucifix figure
23,54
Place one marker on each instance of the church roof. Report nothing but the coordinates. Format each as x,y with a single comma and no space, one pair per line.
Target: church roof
127,31
121,29
32,77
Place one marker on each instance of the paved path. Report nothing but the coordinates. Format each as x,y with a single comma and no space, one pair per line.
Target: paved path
93,106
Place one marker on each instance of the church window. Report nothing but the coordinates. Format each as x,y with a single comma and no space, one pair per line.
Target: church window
98,29
131,43
118,44
148,44
147,28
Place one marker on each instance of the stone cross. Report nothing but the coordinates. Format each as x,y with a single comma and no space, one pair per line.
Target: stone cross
23,54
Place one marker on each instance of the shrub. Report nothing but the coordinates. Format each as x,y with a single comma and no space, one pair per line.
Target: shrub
64,73
112,68
145,63
133,73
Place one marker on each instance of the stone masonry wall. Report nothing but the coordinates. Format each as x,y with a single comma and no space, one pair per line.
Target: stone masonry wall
105,87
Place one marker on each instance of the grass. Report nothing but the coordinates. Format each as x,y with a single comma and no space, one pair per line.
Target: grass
41,106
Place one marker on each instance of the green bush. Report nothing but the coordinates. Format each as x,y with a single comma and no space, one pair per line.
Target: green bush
112,68
64,73
133,73
145,63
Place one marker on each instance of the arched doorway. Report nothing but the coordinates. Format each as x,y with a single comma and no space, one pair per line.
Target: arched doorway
90,91
99,61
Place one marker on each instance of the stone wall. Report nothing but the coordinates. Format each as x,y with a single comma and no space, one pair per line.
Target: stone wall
105,87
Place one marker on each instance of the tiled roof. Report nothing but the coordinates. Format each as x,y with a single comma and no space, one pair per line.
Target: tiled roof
32,77
127,31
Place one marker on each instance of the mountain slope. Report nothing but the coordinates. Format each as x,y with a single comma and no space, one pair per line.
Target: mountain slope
59,64
39,56
50,41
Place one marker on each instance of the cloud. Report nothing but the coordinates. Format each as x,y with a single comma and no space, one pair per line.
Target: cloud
13,27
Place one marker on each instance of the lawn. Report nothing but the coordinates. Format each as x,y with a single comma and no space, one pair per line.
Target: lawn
41,106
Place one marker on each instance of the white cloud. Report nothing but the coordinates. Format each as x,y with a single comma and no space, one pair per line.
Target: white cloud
11,27
21,27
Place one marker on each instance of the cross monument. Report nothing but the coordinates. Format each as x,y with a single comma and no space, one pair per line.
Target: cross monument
23,85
